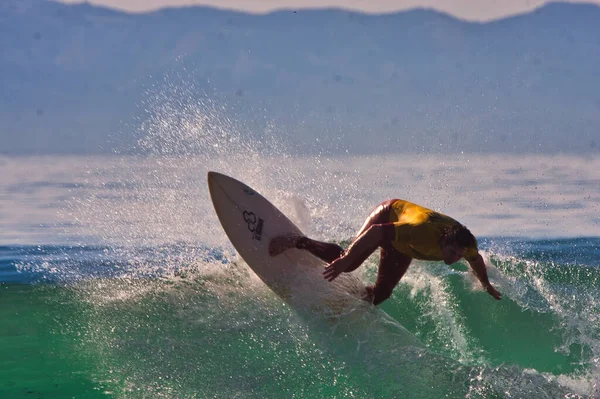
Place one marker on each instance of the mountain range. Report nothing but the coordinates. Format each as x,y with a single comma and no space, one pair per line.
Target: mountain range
81,78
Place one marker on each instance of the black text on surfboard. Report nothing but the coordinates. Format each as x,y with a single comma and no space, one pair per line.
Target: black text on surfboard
255,225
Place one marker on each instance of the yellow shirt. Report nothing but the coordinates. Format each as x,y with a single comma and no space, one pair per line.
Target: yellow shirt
419,231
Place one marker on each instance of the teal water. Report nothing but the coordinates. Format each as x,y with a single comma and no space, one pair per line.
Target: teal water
210,328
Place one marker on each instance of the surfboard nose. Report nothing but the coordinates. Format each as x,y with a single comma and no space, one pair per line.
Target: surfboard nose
212,177
218,180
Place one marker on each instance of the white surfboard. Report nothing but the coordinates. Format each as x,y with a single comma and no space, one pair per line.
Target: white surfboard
251,221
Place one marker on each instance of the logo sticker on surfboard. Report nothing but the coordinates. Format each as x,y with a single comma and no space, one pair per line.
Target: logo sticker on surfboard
255,224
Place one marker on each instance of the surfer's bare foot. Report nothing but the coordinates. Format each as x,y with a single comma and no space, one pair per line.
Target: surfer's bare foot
368,295
281,243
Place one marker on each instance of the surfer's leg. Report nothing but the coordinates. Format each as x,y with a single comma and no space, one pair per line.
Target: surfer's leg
325,251
283,242
392,266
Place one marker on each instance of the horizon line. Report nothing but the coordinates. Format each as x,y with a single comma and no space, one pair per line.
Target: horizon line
158,6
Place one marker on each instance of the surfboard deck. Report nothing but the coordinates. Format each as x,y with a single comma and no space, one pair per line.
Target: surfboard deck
250,222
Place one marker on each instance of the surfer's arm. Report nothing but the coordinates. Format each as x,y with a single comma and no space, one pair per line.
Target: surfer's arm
478,265
360,249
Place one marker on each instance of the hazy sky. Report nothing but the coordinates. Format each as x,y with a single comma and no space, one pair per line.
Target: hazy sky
480,10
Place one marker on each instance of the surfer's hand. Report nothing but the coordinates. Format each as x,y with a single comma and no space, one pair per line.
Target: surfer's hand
493,292
336,268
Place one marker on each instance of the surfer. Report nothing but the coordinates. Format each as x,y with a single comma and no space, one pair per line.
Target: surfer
403,231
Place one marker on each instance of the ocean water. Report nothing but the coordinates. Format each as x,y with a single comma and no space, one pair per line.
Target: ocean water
117,281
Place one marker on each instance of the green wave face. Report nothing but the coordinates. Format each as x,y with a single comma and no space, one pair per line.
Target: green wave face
217,331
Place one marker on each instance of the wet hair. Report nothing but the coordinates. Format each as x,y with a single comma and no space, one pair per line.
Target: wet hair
461,236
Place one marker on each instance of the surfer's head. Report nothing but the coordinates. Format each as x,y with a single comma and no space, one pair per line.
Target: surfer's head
455,243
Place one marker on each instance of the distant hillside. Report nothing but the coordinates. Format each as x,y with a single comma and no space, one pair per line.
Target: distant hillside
73,75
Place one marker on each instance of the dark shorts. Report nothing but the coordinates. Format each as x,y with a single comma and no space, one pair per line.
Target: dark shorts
379,215
392,264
